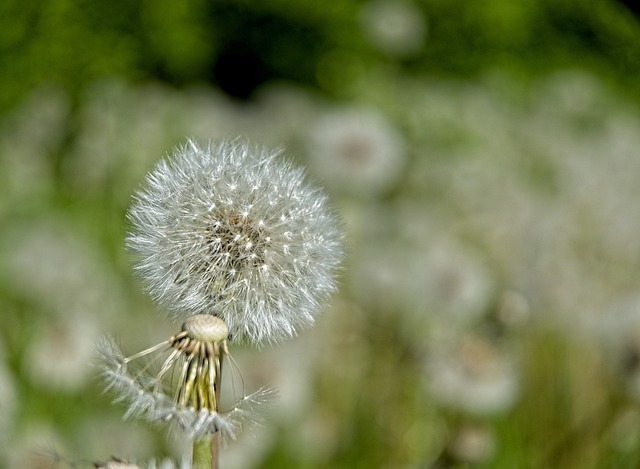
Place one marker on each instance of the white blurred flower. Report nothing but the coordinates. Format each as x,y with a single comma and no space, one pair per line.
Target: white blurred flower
29,136
616,330
231,230
8,400
396,27
472,375
52,264
56,460
102,432
117,463
356,151
27,446
440,279
168,464
185,390
59,356
473,444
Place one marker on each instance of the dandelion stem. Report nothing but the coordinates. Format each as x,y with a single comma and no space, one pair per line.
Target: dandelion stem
205,452
215,449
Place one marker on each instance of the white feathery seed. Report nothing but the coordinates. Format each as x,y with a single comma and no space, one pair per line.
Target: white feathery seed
234,231
146,397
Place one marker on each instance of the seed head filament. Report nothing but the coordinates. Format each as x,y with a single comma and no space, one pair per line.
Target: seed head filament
200,375
179,381
197,352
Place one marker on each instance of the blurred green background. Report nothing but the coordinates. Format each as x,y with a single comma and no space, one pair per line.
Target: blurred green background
485,158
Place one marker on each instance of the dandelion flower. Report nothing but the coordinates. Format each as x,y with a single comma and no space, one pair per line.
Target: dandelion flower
184,391
117,463
473,376
473,444
396,27
233,231
356,150
58,357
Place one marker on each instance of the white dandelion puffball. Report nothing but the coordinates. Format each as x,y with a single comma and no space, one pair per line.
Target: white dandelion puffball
396,27
356,151
473,375
233,231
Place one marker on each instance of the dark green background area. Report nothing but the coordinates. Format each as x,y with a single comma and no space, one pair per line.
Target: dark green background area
240,44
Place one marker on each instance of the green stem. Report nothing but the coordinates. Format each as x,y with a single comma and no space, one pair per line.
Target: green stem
205,452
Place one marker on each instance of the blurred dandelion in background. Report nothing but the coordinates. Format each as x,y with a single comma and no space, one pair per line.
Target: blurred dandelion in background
8,398
473,444
397,28
356,151
61,353
57,461
473,375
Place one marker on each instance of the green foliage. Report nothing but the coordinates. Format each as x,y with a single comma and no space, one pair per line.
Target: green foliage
241,44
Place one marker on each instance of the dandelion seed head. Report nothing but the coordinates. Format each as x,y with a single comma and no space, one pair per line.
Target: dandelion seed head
473,375
396,27
58,358
357,151
233,231
473,444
